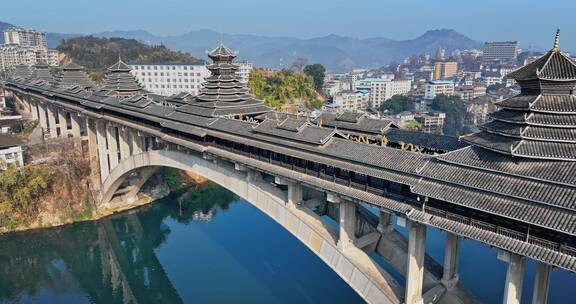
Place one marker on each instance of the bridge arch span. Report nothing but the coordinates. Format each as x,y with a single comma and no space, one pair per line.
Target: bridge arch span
352,265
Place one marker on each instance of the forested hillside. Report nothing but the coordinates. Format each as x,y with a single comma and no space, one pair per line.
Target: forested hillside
96,54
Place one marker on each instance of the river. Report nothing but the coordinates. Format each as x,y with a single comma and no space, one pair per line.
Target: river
205,246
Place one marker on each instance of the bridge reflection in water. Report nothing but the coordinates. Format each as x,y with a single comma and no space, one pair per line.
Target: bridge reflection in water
115,260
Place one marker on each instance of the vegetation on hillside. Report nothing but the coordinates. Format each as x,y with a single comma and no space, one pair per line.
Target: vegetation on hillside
456,113
96,54
278,89
317,72
397,104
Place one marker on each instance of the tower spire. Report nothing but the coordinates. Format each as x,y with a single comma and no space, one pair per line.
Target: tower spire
557,40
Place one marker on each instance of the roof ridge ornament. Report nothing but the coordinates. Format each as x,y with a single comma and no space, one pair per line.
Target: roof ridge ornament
556,46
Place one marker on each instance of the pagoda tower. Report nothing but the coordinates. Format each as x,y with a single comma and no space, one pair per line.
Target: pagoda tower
224,94
119,82
540,122
72,75
41,72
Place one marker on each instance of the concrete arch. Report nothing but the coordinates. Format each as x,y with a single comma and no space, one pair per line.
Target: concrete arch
356,268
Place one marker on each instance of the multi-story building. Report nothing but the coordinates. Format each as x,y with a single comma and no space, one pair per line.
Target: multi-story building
350,101
436,87
168,79
445,69
383,89
470,92
11,151
24,37
490,78
505,51
431,122
26,47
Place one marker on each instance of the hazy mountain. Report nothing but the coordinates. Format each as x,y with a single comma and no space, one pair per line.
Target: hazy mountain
337,53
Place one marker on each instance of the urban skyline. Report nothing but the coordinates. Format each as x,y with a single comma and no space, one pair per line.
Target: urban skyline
372,19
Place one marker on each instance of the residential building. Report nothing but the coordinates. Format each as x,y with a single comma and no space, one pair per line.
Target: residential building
431,122
436,87
350,101
445,69
169,78
469,92
24,37
479,108
490,78
505,51
11,151
383,89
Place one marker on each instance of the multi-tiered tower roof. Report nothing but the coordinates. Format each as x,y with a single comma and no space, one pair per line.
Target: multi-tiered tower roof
73,75
41,72
540,122
224,94
119,82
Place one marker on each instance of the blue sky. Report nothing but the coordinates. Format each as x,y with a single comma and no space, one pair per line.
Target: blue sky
531,22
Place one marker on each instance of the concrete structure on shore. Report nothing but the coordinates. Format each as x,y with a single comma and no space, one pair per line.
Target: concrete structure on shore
296,170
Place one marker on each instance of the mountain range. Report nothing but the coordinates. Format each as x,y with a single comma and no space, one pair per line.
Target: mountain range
336,53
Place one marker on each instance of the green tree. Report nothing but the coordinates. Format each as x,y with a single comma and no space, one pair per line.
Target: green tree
456,113
282,88
317,72
397,104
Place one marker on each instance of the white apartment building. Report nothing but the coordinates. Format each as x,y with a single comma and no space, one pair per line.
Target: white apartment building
350,101
437,87
24,37
27,47
10,151
169,79
382,89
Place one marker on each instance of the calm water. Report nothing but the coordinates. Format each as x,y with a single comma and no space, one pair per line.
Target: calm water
204,247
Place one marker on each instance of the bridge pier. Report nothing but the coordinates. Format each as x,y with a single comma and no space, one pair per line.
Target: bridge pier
93,153
102,149
137,146
385,224
123,135
541,283
52,121
514,276
347,236
112,136
451,260
75,122
43,117
33,109
62,123
415,267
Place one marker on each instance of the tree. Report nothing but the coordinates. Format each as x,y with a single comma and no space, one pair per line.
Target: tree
455,111
397,104
317,72
284,87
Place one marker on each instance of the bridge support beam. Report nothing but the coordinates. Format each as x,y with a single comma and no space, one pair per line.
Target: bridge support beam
541,283
102,150
52,121
347,235
294,194
93,151
451,261
62,124
415,267
111,134
75,122
514,276
385,224
43,117
124,143
137,145
33,109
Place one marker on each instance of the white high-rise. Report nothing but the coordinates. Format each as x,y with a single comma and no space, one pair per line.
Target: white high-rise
382,89
24,37
26,47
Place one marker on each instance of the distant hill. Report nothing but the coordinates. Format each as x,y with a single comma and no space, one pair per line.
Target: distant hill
337,53
97,54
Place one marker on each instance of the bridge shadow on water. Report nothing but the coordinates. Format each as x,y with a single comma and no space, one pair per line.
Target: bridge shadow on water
185,248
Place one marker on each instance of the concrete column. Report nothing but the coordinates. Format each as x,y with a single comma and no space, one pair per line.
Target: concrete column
137,144
253,176
541,283
75,122
415,267
62,123
52,121
101,131
93,151
385,222
124,136
347,236
294,194
34,110
514,276
451,260
112,146
43,120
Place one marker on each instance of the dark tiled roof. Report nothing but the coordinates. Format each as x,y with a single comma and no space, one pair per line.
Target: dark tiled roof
7,140
552,66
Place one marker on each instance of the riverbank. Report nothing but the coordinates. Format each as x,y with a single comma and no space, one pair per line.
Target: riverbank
63,194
